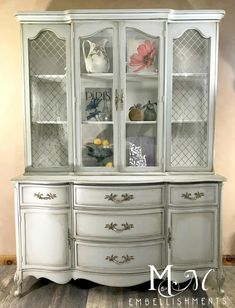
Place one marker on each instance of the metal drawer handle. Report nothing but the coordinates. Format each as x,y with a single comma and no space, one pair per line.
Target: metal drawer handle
113,197
197,195
48,196
113,226
114,259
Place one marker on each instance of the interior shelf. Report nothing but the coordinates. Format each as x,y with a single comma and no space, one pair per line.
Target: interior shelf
134,76
187,121
97,122
50,122
141,122
56,78
186,75
97,75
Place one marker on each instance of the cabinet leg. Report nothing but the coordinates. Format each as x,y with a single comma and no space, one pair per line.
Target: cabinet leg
18,279
220,281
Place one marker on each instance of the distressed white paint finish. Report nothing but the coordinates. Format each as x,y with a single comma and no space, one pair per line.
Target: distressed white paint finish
95,195
65,237
119,178
51,195
209,194
45,239
194,238
122,14
95,224
44,242
92,256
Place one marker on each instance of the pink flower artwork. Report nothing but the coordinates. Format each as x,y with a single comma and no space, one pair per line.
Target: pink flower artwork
144,58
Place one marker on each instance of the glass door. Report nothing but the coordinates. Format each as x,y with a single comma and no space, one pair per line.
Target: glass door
49,144
141,95
96,86
191,74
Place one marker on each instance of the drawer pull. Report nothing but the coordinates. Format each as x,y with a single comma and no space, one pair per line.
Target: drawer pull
114,259
113,197
197,195
113,226
48,196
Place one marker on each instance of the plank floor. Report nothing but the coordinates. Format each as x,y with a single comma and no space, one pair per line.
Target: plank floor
43,293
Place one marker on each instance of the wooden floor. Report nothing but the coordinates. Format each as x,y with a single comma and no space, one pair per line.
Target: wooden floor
43,293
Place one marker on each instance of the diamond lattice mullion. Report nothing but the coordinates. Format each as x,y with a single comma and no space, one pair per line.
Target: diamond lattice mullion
190,101
47,56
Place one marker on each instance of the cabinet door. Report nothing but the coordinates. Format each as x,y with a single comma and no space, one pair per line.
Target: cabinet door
48,97
141,90
45,239
96,85
191,78
193,239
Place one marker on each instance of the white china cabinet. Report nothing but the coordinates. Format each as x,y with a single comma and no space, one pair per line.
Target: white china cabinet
119,137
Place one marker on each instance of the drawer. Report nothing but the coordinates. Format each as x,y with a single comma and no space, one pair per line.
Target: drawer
121,225
118,196
122,257
45,195
198,194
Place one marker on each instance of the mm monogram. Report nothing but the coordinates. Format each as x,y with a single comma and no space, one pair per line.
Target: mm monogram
169,288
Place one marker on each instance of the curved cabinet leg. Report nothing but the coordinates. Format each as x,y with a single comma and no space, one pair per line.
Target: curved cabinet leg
220,281
18,279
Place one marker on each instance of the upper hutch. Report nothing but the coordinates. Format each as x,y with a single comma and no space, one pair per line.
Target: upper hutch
119,110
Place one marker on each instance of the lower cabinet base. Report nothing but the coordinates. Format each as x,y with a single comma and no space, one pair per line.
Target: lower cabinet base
109,279
110,233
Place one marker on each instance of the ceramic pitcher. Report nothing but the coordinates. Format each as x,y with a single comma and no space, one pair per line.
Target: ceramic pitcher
97,60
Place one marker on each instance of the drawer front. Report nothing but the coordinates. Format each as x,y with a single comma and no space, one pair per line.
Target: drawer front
46,195
121,225
120,257
118,196
198,194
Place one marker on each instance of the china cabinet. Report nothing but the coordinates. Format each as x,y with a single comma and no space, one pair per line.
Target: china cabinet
119,138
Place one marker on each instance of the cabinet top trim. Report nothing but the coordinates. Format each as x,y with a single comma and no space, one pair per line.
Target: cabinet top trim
118,179
120,14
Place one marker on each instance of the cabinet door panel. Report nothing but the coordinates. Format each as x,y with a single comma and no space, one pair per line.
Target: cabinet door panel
141,56
191,84
194,238
96,73
48,96
45,238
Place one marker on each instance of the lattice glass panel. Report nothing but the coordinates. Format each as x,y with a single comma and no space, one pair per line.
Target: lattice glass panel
47,54
190,99
191,53
48,97
189,145
49,145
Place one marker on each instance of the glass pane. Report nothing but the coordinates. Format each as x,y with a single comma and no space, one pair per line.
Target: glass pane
141,53
191,53
189,144
141,145
97,145
96,100
96,95
141,105
97,52
49,145
190,100
141,99
47,68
